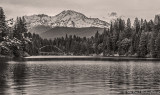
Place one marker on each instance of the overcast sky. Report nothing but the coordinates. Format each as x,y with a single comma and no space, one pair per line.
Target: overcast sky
91,8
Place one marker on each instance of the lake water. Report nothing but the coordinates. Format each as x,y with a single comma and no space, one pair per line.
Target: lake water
79,77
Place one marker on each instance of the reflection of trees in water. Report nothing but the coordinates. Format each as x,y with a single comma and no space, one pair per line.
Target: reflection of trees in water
146,76
3,75
120,76
19,76
156,76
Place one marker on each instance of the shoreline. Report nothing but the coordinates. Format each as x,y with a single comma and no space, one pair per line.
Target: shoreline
85,58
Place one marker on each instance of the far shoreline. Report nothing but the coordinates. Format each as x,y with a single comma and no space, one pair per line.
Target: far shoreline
88,58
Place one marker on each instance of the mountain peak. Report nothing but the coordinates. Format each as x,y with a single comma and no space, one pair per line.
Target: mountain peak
71,13
42,15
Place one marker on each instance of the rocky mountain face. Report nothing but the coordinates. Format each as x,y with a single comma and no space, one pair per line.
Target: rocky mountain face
66,18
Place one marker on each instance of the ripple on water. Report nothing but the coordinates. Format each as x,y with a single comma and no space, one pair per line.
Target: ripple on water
78,77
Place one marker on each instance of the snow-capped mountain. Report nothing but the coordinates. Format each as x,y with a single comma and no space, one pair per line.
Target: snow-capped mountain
66,18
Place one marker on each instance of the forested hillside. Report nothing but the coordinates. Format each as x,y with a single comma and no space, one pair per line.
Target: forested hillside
121,39
61,32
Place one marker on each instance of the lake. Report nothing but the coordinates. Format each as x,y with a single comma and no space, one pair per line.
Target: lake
77,77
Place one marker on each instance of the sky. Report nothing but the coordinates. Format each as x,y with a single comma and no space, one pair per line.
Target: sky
146,9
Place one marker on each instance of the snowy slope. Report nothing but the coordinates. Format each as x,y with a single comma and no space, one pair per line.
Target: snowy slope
66,18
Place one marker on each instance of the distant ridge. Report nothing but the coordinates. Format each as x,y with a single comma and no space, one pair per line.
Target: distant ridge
62,31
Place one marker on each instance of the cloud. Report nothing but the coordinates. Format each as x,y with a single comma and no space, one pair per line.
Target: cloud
113,14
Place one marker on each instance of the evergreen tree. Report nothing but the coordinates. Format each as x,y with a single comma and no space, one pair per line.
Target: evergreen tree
19,28
96,42
19,33
157,46
150,26
128,30
128,23
145,24
157,22
3,27
136,25
143,45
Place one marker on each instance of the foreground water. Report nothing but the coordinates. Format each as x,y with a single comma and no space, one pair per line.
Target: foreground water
79,78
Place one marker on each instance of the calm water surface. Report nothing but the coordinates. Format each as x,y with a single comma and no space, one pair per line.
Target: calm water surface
79,78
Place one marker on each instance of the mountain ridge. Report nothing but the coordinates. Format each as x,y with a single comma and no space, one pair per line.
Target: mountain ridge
62,31
67,18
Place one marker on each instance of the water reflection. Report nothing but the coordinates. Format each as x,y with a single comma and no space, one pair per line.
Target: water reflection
3,77
19,78
78,77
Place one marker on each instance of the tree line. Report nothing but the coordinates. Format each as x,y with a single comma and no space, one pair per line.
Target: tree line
120,39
